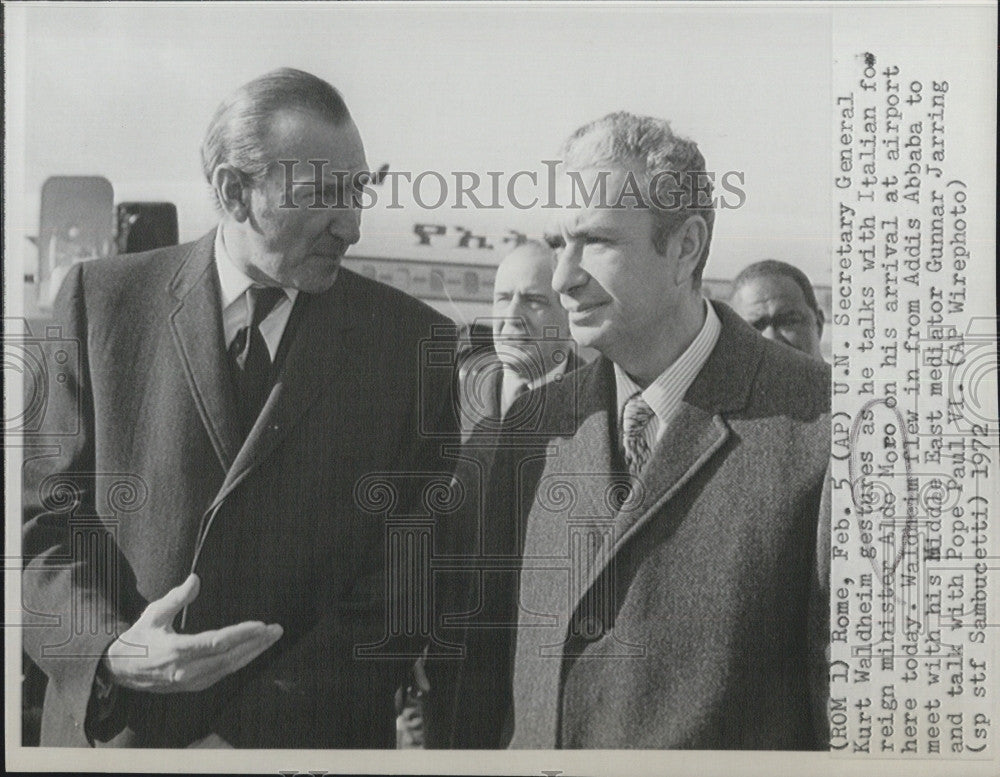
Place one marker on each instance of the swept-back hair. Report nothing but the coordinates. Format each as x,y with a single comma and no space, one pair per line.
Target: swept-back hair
648,147
239,130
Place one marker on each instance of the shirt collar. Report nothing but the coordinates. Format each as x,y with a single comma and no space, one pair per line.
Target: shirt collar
233,282
664,394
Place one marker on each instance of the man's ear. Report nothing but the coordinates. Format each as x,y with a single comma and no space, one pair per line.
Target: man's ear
820,320
232,191
688,240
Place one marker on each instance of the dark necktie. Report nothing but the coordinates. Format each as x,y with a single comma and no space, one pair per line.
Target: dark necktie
250,358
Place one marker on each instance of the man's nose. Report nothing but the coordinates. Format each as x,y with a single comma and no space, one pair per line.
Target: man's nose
568,274
516,309
513,317
345,224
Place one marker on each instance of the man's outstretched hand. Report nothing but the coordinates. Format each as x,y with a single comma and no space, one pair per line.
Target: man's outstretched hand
152,657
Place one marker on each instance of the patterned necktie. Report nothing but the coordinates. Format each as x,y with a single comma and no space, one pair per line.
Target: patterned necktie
635,417
250,357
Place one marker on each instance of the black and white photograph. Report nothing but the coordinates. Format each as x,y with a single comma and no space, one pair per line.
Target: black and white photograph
556,388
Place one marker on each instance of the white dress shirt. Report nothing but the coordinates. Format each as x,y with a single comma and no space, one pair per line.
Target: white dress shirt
233,287
664,394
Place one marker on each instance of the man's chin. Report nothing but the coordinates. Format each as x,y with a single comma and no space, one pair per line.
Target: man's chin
317,283
587,336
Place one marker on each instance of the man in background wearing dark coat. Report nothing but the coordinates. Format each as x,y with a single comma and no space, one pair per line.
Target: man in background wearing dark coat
531,342
206,530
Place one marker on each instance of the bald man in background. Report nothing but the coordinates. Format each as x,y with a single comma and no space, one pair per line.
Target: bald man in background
778,301
531,347
531,340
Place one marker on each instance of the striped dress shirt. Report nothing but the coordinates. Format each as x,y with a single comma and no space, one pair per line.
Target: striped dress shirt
664,394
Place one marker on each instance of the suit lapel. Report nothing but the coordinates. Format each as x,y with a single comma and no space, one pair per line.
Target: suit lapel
196,323
572,363
481,409
694,436
495,390
326,335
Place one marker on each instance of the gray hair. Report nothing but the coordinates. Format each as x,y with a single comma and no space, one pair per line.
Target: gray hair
648,147
239,130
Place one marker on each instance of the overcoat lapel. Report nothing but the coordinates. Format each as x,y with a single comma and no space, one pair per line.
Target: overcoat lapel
493,392
196,323
568,511
694,436
588,455
577,484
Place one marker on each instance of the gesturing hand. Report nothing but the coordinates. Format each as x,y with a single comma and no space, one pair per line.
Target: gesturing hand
151,656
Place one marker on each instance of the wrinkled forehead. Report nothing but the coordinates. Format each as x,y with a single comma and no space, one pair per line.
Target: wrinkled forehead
605,196
528,268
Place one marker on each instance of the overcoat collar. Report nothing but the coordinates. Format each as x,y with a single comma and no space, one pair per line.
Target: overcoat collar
196,324
693,437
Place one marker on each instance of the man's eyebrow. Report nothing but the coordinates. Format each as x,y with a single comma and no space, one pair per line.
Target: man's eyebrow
585,230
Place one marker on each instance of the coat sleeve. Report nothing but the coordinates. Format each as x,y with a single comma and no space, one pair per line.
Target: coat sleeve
69,578
262,714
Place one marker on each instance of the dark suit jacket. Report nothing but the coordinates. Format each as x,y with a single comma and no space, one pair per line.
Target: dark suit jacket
480,390
288,527
692,615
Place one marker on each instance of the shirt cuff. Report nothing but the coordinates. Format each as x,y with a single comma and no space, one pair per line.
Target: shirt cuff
105,712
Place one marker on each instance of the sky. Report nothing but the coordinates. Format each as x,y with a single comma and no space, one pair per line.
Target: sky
126,91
